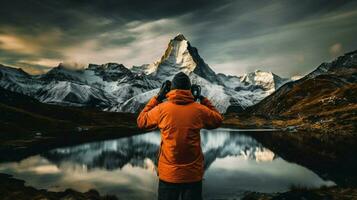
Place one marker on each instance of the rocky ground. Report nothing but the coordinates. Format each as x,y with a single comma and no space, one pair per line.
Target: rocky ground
332,193
12,188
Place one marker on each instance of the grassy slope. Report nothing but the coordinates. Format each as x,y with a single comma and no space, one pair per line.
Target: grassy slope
324,103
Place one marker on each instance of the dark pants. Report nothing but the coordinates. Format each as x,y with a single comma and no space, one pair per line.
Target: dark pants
182,191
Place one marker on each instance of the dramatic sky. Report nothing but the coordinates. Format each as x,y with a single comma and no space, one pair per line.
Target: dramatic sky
288,37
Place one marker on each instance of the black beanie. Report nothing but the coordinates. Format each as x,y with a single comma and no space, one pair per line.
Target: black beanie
181,81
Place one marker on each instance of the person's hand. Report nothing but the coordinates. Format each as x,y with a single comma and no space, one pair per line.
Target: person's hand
165,88
196,92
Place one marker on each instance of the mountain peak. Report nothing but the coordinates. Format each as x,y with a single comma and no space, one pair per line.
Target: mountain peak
180,37
268,80
69,66
342,65
261,72
180,56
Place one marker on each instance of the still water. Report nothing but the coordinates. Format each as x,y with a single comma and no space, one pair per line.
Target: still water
234,163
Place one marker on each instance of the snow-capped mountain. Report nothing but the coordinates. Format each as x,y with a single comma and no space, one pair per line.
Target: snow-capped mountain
223,90
113,87
268,81
181,56
18,81
100,86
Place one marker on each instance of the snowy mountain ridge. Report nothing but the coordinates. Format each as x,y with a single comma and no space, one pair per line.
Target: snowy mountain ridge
114,87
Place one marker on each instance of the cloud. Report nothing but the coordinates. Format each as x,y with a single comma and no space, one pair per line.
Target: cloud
42,62
287,37
286,49
146,43
336,50
12,43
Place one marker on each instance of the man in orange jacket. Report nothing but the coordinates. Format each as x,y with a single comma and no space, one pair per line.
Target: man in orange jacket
180,119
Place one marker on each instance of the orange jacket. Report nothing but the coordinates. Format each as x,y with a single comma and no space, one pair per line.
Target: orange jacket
180,120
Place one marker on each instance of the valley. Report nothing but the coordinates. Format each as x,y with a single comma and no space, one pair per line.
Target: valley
323,101
314,117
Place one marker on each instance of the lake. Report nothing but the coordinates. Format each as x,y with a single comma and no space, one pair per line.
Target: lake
234,164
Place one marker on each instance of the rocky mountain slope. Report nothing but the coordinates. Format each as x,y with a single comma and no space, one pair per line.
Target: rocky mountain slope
325,99
113,87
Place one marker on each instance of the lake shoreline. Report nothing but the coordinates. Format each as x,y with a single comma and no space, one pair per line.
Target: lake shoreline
320,152
12,188
329,154
16,148
333,193
27,147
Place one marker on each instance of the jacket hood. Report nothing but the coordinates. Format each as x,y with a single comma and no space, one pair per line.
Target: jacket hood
180,96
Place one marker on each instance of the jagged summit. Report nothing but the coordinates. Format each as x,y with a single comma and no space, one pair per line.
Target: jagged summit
180,37
181,56
108,66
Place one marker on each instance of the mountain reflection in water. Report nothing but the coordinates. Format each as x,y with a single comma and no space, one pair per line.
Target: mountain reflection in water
234,163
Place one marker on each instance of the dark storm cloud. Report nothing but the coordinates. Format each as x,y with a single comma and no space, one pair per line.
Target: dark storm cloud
285,36
32,16
73,22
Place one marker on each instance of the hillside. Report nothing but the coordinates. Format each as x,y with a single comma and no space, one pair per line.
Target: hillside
27,125
323,100
35,116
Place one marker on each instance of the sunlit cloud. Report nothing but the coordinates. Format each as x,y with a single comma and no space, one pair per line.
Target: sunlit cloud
42,62
13,43
148,46
336,50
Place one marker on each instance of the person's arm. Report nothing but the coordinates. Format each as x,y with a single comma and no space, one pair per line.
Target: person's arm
149,116
211,117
